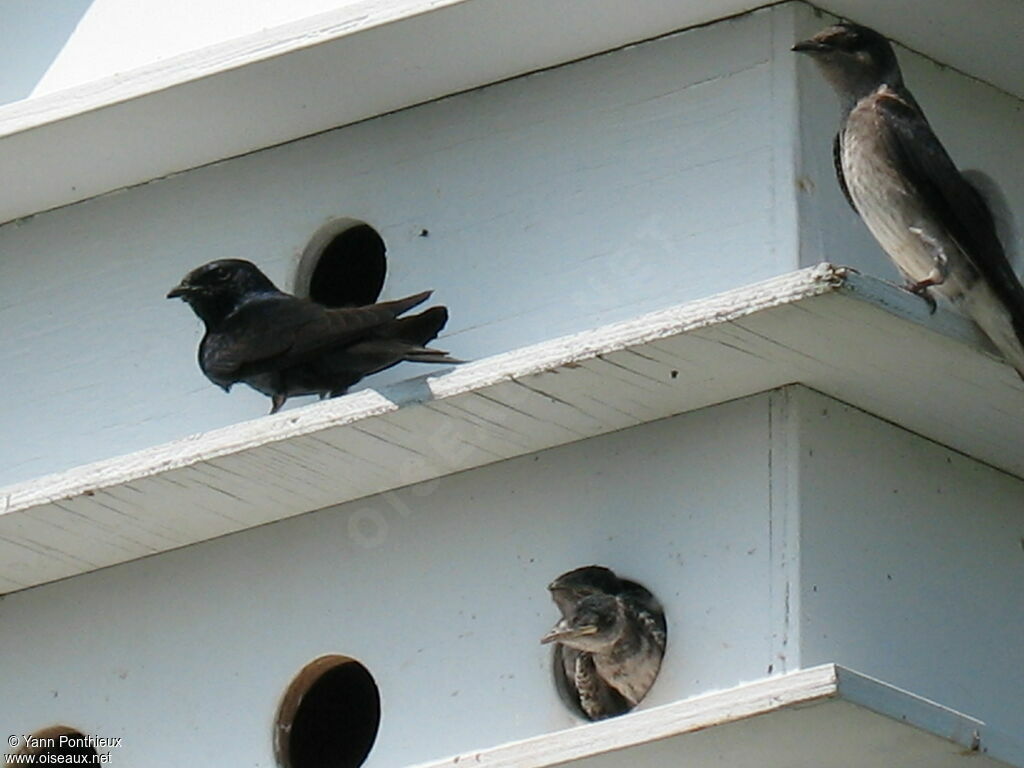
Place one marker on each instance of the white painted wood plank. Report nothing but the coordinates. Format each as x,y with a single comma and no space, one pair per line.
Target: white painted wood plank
799,692
491,422
124,509
855,338
694,714
638,396
167,500
126,526
570,396
198,448
518,406
7,585
835,734
326,466
917,711
99,543
26,565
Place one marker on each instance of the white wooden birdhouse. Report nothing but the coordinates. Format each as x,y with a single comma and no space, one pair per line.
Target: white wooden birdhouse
689,363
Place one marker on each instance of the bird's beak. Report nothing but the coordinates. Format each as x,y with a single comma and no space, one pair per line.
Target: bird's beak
563,631
178,291
811,46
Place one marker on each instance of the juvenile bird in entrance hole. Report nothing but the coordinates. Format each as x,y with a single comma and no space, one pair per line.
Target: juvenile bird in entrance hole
896,175
282,345
611,640
571,587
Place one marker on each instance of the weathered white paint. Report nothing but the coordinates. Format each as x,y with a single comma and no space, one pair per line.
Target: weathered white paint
808,325
439,589
910,559
825,717
555,203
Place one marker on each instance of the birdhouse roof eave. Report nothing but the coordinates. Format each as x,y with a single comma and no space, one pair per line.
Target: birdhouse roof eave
367,59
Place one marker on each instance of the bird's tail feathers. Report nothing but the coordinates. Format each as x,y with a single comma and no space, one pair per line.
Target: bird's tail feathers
430,355
401,306
419,329
1003,324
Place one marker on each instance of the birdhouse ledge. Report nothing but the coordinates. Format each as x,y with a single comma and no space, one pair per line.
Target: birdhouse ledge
855,338
824,716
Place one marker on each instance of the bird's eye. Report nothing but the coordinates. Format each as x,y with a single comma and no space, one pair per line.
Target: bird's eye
850,42
219,273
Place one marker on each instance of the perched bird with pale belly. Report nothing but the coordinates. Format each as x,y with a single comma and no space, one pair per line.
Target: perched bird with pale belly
933,223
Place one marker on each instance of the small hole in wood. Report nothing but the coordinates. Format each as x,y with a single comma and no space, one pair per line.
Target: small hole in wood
329,716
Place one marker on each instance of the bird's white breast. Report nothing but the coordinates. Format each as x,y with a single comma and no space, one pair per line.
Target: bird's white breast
631,674
883,200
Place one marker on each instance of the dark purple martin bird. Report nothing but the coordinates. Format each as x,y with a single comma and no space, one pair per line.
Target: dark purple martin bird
610,641
897,176
284,346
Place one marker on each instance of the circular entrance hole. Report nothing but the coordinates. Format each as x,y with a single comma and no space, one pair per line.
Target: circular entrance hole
329,716
343,266
57,741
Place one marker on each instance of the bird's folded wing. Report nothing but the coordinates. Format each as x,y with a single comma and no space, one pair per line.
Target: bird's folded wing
280,332
923,161
837,161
